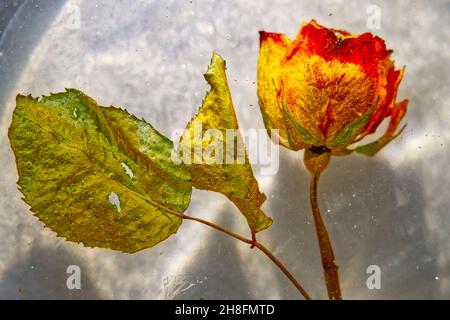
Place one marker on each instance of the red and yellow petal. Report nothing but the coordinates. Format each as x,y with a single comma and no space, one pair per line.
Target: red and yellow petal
365,50
324,97
273,48
389,89
398,112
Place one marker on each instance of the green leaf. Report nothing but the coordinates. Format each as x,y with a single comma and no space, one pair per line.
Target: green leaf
373,148
97,175
215,153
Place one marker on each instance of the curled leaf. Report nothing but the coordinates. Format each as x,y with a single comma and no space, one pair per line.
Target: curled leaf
215,153
97,175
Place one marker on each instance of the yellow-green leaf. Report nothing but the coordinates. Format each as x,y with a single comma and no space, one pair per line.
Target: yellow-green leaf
213,165
97,175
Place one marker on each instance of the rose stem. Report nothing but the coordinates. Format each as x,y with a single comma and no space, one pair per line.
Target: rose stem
253,243
326,250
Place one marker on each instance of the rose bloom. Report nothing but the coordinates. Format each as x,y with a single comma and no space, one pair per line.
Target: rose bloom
328,89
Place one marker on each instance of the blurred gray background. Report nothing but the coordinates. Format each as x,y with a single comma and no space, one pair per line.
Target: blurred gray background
149,56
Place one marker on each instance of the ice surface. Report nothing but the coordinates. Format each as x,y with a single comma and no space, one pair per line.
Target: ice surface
149,56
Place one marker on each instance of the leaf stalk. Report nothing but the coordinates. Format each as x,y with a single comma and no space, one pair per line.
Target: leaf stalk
254,243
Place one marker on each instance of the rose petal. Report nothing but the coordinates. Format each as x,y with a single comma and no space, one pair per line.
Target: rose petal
390,93
365,50
273,48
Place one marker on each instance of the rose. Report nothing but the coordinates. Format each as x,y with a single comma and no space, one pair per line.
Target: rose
328,89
